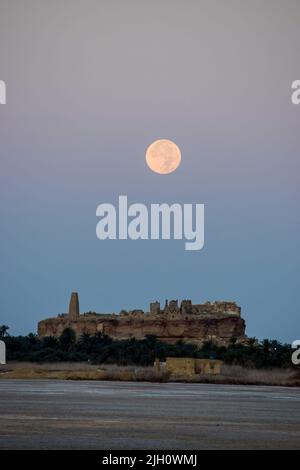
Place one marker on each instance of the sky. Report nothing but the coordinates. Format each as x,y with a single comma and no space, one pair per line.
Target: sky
90,84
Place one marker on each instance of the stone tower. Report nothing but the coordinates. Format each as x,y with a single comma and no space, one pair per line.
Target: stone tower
155,308
74,307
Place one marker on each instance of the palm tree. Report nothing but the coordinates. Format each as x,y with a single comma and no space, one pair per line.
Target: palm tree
3,331
67,339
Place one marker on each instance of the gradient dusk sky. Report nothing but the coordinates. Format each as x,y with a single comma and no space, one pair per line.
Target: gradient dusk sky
90,84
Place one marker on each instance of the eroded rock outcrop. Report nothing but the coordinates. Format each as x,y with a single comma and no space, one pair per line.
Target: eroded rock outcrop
218,321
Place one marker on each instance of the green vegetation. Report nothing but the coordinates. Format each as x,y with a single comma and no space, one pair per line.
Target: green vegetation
101,349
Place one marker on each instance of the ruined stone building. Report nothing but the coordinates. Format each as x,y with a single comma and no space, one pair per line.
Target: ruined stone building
218,321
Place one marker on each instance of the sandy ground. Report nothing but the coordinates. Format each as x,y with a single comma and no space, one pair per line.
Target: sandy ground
43,414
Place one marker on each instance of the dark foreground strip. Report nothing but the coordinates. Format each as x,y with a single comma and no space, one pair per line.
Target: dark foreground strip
125,459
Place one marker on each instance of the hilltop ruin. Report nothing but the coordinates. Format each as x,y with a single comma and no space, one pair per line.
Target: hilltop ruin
216,321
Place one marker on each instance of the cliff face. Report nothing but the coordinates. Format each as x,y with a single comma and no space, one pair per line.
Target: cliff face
219,322
194,330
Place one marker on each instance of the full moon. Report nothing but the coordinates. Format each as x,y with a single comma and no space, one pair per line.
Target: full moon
163,156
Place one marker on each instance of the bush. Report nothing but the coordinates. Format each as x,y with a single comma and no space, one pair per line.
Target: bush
101,349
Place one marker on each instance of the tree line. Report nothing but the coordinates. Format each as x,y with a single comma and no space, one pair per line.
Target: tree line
101,349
